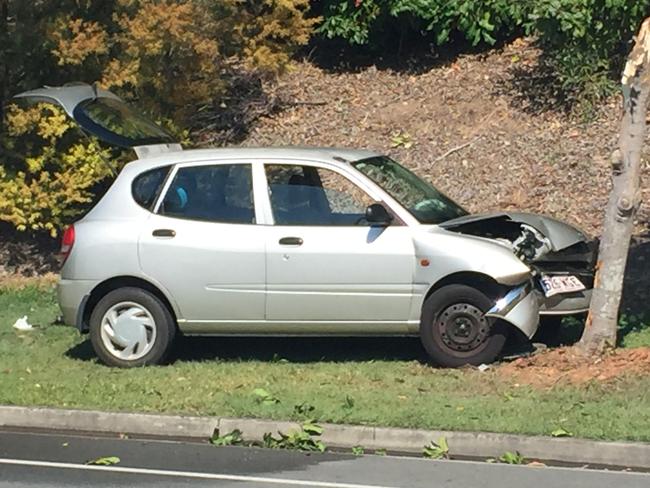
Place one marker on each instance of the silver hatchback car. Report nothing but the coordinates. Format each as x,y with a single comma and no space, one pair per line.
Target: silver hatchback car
296,241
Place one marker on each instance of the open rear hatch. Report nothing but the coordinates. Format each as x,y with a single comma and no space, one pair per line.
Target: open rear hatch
107,117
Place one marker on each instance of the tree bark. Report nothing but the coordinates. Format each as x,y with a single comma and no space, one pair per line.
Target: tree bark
624,200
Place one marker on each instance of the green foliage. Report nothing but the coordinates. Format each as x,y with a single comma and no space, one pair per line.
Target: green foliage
303,408
233,438
264,397
585,42
48,173
169,55
31,366
358,450
364,21
512,458
303,439
437,450
634,330
561,432
401,139
348,403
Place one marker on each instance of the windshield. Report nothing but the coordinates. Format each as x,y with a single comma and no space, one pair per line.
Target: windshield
427,204
115,122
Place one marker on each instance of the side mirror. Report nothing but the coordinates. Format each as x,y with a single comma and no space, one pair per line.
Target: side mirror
377,214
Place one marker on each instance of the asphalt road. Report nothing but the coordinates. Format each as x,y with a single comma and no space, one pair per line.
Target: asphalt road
37,459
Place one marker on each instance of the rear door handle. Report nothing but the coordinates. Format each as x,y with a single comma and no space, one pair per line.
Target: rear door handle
291,241
164,233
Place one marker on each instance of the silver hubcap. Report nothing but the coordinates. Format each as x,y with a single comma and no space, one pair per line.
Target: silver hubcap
128,331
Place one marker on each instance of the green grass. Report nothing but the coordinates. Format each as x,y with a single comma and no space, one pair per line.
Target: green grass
358,381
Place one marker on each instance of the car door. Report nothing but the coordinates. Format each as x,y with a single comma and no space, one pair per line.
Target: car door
203,245
328,270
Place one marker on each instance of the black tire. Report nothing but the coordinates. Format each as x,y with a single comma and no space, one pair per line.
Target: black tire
163,323
454,331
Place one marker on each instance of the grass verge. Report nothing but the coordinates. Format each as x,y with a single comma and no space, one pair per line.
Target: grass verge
358,381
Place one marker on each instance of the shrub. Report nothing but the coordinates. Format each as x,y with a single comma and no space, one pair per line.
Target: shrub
364,21
50,177
170,56
586,41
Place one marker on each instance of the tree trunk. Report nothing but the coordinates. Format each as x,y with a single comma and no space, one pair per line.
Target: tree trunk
624,200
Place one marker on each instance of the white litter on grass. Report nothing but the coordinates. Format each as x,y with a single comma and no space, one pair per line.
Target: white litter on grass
22,324
483,367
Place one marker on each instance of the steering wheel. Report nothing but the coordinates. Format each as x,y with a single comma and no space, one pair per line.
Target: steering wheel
421,205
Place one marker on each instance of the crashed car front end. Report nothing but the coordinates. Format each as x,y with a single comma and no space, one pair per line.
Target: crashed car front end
562,259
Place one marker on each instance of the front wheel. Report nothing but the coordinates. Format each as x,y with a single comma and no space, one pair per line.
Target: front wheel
455,331
131,327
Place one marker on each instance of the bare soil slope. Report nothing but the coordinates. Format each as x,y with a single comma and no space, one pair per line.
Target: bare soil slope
515,157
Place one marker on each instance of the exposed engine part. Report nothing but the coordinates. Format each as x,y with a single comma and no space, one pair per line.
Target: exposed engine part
531,244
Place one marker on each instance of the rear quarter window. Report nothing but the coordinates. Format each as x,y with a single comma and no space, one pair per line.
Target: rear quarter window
147,186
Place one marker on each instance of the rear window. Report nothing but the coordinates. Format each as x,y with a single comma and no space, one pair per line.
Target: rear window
115,122
146,186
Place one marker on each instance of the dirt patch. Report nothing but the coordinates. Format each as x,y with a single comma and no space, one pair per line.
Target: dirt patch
17,281
514,155
24,254
568,366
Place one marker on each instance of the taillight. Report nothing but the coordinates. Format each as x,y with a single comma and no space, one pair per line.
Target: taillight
66,243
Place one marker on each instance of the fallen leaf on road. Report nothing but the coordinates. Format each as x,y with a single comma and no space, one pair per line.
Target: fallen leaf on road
104,461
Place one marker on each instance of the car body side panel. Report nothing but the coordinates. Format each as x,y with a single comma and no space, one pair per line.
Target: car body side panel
103,249
449,253
215,271
353,274
71,295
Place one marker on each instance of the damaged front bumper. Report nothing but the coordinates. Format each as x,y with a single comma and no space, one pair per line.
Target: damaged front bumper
519,307
579,261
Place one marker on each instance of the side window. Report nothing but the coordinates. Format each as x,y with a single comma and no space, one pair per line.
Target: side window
146,186
306,195
215,193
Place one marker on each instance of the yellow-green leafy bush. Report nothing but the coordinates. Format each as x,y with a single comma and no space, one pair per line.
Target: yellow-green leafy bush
53,172
168,56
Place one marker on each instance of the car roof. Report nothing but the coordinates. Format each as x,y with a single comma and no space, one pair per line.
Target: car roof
336,156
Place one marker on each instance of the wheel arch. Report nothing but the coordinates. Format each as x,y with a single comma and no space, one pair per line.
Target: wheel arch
114,283
482,282
485,284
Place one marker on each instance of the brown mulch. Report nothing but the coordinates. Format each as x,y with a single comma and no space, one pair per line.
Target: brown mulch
518,157
26,255
569,366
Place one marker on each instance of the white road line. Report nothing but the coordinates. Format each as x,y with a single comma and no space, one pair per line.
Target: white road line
187,474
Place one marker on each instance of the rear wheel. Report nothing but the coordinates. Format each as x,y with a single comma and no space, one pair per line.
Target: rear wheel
131,327
455,331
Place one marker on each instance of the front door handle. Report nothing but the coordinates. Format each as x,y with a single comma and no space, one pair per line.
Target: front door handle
291,241
164,233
